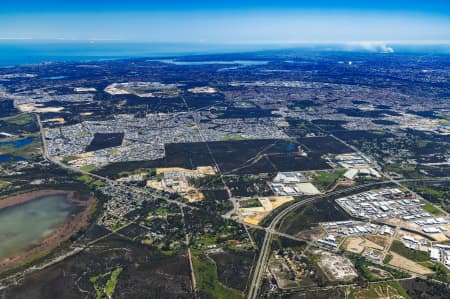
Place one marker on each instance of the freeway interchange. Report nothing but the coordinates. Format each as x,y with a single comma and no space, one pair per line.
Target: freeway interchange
271,229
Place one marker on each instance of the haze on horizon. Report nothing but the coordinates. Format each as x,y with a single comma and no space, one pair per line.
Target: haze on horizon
228,22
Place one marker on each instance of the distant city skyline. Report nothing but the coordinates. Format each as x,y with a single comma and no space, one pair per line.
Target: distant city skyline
230,22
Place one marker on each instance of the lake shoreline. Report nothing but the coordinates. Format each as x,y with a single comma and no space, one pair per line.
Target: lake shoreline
10,201
73,224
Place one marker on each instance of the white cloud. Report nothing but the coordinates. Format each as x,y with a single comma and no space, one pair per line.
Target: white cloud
371,46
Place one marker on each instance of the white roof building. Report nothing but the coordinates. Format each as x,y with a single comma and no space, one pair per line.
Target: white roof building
435,254
290,177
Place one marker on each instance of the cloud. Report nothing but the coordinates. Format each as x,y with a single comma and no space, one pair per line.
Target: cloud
371,46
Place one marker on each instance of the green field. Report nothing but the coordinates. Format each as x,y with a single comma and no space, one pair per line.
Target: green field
430,208
88,168
90,181
207,280
325,180
108,290
21,119
228,138
362,266
414,255
438,194
250,203
111,283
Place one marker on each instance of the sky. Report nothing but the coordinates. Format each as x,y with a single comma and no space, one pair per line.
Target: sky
366,23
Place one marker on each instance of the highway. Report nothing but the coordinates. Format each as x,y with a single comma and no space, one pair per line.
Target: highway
270,230
265,248
260,267
264,254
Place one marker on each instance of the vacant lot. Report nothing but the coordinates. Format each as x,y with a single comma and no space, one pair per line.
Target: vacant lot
414,255
233,157
105,140
207,278
358,244
324,145
310,215
404,263
233,268
382,290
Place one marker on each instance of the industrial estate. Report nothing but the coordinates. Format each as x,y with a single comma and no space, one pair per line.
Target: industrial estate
262,175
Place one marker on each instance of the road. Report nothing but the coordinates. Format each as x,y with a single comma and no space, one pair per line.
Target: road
265,248
389,244
260,267
99,177
269,231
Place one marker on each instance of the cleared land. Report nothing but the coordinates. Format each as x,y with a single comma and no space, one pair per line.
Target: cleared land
359,244
255,215
404,263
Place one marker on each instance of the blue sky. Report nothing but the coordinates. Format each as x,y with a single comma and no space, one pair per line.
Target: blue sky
232,21
432,6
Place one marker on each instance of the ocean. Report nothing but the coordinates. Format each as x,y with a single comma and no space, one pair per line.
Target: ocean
14,53
22,52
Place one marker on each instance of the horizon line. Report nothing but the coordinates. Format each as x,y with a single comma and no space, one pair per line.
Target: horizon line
204,42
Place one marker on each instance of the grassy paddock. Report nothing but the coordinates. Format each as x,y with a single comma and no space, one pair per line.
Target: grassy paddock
207,280
21,119
414,255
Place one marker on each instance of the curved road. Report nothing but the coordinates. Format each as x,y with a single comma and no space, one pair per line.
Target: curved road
270,230
260,267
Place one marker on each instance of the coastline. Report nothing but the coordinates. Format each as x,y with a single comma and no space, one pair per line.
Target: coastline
73,224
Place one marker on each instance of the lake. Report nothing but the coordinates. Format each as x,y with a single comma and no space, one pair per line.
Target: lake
26,224
15,144
18,143
4,158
